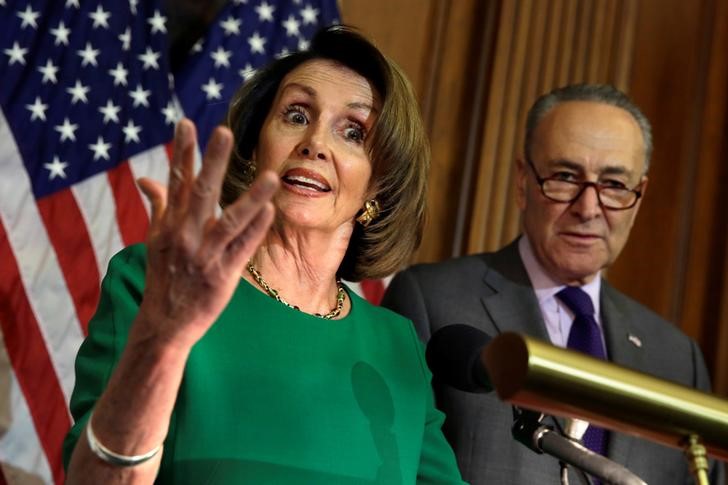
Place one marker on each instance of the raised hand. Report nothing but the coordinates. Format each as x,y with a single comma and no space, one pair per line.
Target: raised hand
195,257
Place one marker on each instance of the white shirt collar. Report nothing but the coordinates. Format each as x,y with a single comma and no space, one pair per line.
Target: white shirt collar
546,287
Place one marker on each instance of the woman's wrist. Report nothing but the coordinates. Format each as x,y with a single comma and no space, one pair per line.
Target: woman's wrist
114,458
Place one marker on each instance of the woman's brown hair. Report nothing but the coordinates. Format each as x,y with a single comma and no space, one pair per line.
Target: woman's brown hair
397,146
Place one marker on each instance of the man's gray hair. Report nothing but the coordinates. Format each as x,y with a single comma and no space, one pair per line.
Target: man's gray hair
599,93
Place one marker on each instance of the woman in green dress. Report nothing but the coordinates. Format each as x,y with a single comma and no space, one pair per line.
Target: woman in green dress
226,349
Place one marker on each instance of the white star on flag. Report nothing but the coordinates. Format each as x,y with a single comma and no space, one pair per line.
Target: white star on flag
212,89
157,21
119,74
131,132
100,149
149,58
221,57
140,96
171,113
49,72
291,25
88,54
61,34
100,18
265,12
231,26
29,18
309,14
110,112
67,130
125,39
257,43
78,92
247,72
37,109
56,168
16,54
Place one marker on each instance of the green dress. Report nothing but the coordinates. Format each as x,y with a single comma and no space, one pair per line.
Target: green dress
274,395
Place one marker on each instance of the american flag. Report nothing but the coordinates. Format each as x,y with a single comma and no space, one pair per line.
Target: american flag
88,106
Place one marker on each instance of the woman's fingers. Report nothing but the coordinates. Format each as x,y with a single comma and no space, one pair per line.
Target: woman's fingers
183,215
242,247
181,170
156,193
205,191
236,218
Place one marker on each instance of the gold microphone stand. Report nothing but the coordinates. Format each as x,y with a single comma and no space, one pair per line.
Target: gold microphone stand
536,375
697,459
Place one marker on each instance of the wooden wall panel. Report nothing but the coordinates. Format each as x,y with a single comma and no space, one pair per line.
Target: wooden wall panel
453,111
704,287
444,48
666,83
403,29
529,60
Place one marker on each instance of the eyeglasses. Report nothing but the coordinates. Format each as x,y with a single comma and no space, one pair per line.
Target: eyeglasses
610,197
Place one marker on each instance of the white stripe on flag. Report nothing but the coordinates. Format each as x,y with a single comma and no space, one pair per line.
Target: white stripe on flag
41,275
95,200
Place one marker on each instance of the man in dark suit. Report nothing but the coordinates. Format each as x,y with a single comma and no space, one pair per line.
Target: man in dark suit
579,188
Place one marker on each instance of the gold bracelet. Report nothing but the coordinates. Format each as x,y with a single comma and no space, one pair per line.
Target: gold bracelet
109,456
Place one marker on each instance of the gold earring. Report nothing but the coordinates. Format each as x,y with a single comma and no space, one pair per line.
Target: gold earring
369,213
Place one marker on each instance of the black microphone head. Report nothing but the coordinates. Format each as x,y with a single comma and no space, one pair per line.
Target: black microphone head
453,356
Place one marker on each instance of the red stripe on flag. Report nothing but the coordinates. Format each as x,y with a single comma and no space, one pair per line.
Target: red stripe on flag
31,362
66,229
373,290
130,212
170,150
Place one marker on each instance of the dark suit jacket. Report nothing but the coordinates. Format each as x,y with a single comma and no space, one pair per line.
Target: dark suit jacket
493,293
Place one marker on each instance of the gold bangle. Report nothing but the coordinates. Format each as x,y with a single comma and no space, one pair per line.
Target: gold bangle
111,457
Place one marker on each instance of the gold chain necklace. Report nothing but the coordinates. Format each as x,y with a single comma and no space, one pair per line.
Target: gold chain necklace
273,293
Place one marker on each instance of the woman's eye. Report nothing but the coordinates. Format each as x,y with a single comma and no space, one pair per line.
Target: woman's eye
295,115
354,133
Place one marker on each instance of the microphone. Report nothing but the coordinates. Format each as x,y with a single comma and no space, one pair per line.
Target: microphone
540,438
453,355
533,374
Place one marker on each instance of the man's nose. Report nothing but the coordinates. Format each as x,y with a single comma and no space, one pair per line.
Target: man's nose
587,205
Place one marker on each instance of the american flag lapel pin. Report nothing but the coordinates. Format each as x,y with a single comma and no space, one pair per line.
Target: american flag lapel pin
636,341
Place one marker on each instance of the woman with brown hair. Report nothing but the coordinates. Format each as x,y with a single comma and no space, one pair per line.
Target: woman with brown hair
229,338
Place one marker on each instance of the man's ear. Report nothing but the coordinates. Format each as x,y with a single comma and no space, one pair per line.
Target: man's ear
520,180
644,182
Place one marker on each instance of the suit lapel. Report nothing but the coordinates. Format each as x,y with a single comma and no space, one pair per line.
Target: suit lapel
509,298
624,345
511,302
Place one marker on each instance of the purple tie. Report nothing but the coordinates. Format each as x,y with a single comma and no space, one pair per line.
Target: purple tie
586,337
